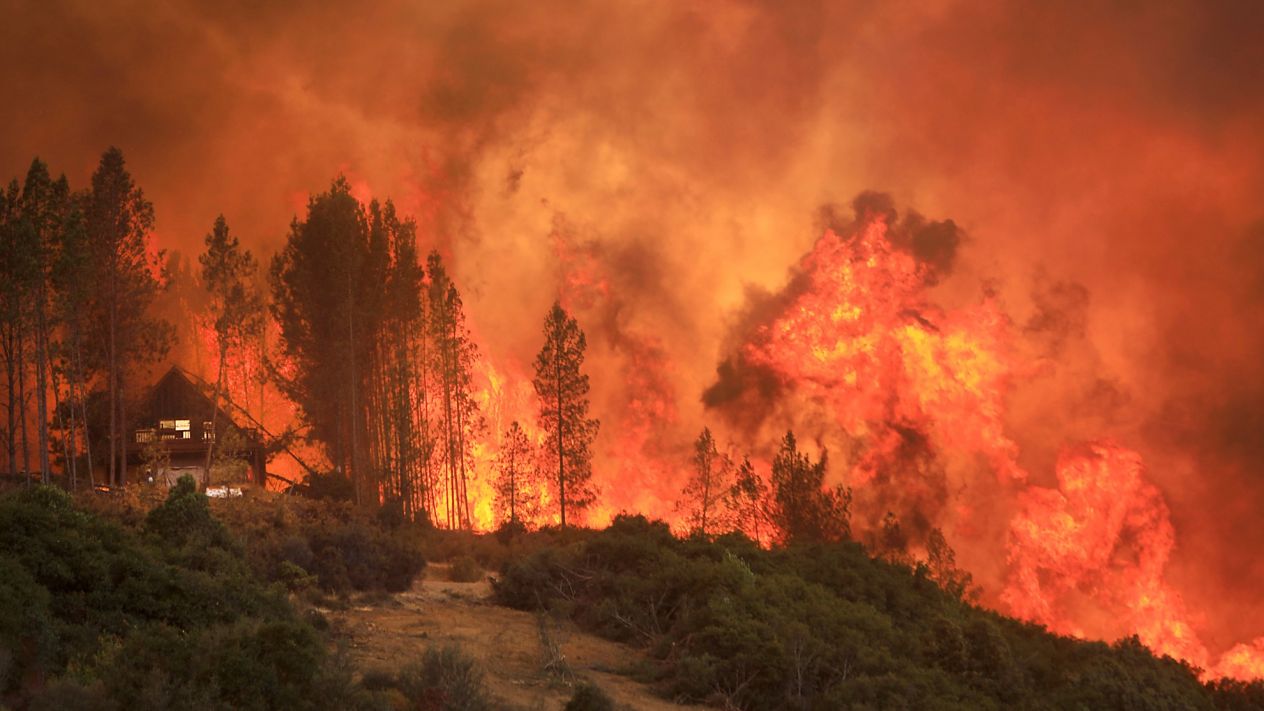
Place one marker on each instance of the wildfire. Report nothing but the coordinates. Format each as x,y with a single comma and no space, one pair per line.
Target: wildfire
903,379
1101,540
916,388
862,337
918,394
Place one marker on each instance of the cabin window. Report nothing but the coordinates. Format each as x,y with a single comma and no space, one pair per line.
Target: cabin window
208,431
175,429
143,436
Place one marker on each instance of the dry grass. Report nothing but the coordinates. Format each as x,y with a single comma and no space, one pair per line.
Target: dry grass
531,661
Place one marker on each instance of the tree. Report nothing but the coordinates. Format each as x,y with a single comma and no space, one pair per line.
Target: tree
942,563
563,393
14,266
41,209
747,502
516,483
324,332
73,298
356,347
399,417
453,355
890,541
236,310
128,277
802,509
708,487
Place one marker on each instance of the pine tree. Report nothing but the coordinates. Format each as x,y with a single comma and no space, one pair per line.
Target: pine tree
516,484
563,392
316,280
802,509
41,209
73,294
453,355
398,427
127,275
354,336
890,541
710,483
747,502
235,309
942,563
13,268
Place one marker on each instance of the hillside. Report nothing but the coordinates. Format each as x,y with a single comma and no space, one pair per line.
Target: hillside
281,602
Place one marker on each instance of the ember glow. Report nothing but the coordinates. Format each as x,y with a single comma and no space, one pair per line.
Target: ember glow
1060,366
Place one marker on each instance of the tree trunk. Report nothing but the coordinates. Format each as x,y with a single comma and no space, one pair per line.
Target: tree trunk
513,483
41,381
124,434
112,368
210,437
83,405
10,364
460,423
561,466
67,431
26,442
706,500
354,471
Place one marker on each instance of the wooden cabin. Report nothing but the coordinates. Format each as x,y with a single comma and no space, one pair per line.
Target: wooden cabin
176,415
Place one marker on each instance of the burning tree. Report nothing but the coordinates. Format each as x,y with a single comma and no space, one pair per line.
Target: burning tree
563,393
236,310
802,509
708,487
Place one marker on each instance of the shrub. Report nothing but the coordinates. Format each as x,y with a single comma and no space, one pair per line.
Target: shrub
95,616
822,625
327,487
509,531
465,569
589,697
25,624
344,549
445,678
185,517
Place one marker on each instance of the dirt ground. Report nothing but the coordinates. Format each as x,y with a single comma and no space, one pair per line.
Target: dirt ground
524,667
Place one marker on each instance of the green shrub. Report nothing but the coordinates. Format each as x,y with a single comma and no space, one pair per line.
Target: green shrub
327,487
465,569
343,548
589,697
27,638
185,517
445,678
96,616
826,626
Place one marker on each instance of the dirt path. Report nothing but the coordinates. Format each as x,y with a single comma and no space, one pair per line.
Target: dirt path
509,643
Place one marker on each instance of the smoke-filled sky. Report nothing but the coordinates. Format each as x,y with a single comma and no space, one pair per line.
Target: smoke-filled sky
1104,160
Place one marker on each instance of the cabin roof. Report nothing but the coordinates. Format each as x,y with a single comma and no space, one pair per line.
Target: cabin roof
179,394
